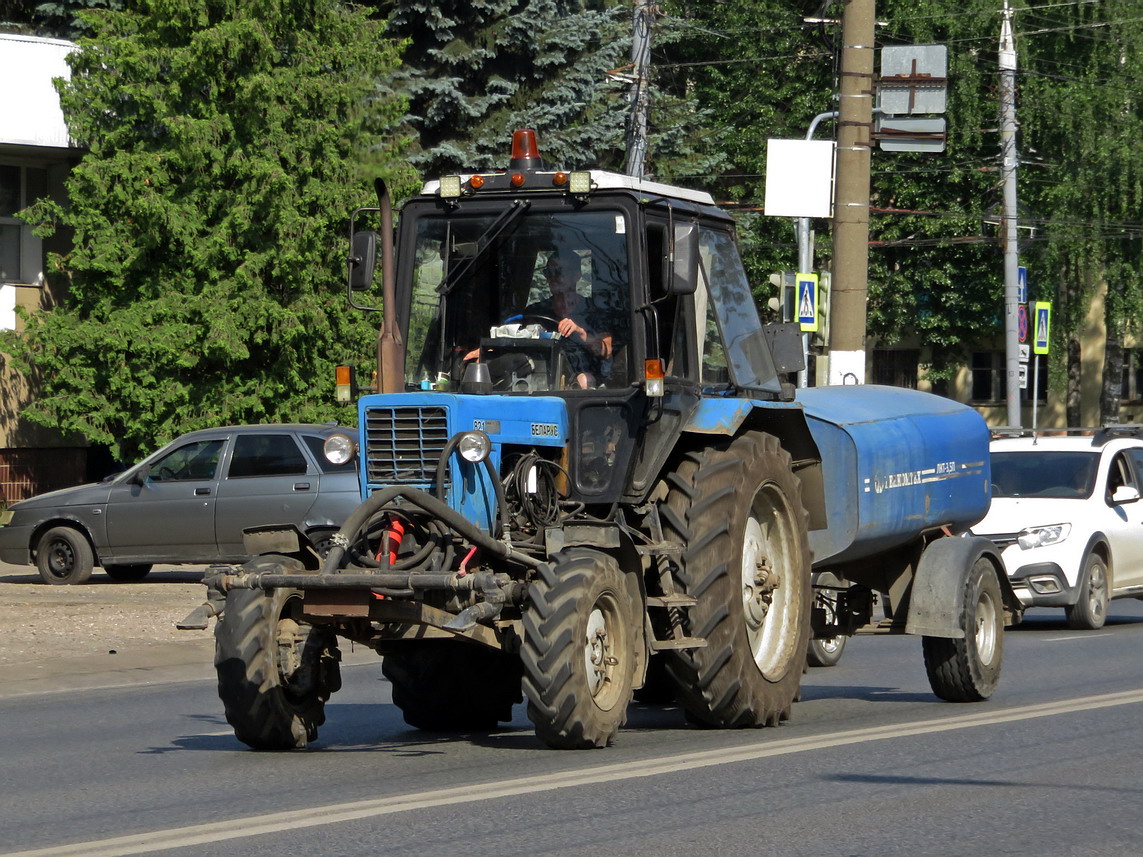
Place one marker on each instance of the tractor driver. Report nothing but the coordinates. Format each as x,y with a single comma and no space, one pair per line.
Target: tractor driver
577,319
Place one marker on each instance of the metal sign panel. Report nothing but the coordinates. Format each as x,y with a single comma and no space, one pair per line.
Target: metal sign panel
1043,320
1021,285
914,79
903,134
808,302
799,178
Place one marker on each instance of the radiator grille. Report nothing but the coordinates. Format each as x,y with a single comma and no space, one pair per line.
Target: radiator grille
404,444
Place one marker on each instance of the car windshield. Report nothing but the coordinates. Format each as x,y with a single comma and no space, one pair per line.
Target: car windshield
1049,474
499,287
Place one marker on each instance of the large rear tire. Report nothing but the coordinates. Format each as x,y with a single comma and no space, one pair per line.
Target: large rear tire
968,670
579,650
746,559
63,556
1090,611
443,686
275,672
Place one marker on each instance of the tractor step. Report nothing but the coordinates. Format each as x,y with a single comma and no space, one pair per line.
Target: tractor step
680,643
671,600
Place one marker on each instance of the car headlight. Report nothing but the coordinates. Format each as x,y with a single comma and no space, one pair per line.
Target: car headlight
474,446
339,449
1038,537
6,517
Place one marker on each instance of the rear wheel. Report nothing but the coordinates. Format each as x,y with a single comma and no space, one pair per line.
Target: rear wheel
64,556
443,686
578,650
1090,611
746,559
128,573
826,652
968,670
275,672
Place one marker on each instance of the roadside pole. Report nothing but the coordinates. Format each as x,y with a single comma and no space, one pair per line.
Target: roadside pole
851,211
1011,251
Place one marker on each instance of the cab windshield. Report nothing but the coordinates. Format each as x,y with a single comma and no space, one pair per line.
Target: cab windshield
1056,475
541,298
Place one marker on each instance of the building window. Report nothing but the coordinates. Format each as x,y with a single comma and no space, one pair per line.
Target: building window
896,368
19,249
987,376
990,379
1132,375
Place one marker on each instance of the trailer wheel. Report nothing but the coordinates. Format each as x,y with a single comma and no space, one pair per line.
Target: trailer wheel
968,670
578,650
128,573
275,672
443,686
64,556
826,652
738,512
1090,611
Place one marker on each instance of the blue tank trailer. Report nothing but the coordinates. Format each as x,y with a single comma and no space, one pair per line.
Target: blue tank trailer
625,500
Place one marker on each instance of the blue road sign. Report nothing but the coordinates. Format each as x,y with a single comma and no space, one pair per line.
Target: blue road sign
808,301
1043,319
1021,285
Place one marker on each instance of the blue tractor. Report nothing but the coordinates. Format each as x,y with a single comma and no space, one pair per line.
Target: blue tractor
584,478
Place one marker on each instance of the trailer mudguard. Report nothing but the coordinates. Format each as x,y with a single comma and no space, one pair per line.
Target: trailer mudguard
938,583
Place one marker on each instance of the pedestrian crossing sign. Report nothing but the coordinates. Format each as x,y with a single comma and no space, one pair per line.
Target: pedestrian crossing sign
1042,319
807,291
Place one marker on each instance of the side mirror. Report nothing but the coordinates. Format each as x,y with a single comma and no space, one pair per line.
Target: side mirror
362,259
684,260
1125,494
140,476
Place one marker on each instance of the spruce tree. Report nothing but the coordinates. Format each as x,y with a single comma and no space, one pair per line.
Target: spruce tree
224,148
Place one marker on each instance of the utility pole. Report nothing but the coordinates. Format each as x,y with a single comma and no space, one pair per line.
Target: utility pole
1011,251
639,97
851,207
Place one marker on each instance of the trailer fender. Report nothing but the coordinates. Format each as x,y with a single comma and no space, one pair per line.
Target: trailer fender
939,581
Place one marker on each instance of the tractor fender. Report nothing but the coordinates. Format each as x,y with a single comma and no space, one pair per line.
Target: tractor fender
939,581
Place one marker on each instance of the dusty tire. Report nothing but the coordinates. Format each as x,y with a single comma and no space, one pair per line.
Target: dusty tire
968,670
128,573
738,512
1090,612
578,650
275,673
63,556
827,652
443,686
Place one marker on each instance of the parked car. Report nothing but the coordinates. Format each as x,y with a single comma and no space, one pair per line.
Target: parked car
1066,515
187,503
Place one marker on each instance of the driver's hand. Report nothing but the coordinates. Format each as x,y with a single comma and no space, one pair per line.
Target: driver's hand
567,327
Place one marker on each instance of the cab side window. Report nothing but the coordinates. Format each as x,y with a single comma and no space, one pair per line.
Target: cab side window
266,455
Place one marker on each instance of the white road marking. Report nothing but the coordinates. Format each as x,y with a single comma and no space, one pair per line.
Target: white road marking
1071,637
278,822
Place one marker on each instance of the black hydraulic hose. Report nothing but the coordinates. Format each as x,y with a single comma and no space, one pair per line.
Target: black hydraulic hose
428,503
497,487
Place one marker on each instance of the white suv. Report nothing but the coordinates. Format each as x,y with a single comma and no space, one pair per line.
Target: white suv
1067,517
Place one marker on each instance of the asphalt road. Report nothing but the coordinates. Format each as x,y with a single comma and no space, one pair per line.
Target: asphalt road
871,764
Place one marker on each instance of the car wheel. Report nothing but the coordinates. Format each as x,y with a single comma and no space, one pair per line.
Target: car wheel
1090,611
64,556
128,573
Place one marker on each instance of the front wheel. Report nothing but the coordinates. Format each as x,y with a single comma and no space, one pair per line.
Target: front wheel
1090,611
64,556
275,672
579,650
968,669
746,560
826,652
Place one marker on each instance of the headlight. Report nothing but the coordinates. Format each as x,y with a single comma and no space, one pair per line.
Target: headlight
474,446
339,449
1037,537
6,517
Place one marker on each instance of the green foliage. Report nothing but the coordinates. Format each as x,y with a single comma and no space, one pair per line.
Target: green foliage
225,147
476,71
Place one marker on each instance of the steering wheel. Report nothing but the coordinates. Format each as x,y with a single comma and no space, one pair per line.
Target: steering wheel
552,325
549,323
165,472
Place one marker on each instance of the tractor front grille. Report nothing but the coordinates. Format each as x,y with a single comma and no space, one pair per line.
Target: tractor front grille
404,444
